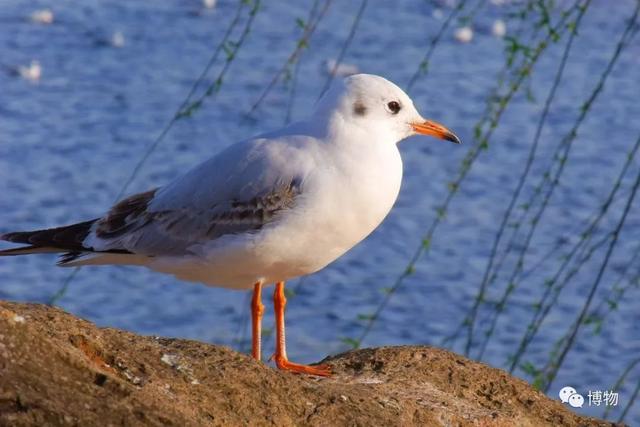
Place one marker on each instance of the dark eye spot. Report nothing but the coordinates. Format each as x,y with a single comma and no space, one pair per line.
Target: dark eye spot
394,107
359,109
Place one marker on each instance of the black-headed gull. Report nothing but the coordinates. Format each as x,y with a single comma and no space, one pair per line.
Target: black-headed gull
275,207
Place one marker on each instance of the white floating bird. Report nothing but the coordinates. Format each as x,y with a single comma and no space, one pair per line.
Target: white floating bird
209,4
117,39
437,13
499,28
42,16
463,34
332,67
275,207
32,72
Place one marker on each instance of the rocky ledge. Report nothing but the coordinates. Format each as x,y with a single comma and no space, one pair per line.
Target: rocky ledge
57,369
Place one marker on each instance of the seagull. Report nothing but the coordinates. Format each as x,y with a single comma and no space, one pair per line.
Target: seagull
499,28
463,34
117,39
31,72
263,211
42,16
209,4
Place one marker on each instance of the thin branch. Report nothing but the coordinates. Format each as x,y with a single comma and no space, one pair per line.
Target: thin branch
523,177
423,66
543,308
554,367
567,143
293,57
345,46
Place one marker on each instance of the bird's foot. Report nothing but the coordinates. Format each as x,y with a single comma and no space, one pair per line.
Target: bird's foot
318,370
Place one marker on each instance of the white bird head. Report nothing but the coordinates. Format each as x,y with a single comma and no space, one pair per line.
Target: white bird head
377,107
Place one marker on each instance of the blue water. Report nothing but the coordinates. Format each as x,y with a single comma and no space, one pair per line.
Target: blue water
69,142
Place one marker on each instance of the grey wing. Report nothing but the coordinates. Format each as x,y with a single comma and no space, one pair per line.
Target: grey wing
239,191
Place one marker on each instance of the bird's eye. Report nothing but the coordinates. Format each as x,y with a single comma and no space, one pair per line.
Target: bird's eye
393,107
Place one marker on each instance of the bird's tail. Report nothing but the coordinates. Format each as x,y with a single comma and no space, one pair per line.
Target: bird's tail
31,249
67,239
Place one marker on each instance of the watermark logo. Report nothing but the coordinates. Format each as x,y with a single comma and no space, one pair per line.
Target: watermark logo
566,392
570,395
595,397
576,400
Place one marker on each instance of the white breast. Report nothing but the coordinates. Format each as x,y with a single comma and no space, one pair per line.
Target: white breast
344,204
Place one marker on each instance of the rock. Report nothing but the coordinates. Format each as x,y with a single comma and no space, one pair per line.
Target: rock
56,369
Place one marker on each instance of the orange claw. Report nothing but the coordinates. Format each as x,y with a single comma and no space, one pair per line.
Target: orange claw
319,370
280,357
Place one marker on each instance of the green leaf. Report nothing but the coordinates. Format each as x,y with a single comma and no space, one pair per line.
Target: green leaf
529,369
477,131
353,343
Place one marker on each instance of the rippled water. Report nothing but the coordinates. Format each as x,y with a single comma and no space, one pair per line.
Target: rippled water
68,143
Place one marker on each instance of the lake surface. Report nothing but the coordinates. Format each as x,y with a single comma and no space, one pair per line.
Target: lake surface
69,142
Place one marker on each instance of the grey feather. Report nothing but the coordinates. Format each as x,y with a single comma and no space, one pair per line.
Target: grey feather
217,198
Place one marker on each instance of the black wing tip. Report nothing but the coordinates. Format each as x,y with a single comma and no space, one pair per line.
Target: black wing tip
14,236
68,237
67,257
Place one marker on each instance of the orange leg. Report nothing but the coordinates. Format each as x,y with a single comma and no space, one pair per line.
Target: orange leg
280,357
257,309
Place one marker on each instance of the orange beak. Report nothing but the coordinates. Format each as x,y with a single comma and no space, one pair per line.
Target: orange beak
435,129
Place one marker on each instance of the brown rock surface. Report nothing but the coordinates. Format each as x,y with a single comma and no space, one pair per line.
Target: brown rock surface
56,369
